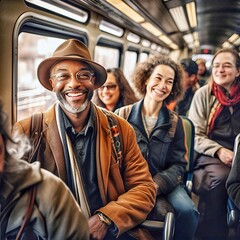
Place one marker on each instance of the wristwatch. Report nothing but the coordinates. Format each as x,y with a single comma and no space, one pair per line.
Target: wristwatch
104,219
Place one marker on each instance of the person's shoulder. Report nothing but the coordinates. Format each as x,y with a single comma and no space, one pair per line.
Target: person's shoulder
124,111
204,90
50,178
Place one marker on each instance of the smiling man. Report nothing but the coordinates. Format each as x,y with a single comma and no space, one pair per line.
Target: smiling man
76,145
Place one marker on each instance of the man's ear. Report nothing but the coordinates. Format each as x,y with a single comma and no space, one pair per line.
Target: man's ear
51,82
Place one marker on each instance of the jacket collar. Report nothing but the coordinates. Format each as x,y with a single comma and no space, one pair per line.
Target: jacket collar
135,116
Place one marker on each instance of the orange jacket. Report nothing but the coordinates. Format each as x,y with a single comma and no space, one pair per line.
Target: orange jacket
127,199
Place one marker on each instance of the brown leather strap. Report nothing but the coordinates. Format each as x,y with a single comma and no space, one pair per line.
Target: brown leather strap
28,212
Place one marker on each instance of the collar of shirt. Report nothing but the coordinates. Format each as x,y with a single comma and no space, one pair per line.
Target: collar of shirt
90,124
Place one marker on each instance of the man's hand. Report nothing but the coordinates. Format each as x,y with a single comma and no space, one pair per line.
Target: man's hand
97,228
226,156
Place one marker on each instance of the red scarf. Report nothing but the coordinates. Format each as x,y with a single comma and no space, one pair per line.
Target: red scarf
224,99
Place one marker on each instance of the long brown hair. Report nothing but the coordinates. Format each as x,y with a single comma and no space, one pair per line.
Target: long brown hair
127,95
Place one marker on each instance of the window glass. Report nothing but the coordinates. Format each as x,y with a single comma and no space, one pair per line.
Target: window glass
130,61
107,56
31,95
143,56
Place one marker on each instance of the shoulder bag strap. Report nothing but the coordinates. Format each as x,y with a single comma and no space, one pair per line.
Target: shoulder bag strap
116,136
28,214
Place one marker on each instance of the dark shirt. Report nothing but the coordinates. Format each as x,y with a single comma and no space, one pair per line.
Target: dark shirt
184,105
84,144
226,127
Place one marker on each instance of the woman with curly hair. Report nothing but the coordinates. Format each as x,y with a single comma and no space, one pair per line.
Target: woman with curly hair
161,138
116,92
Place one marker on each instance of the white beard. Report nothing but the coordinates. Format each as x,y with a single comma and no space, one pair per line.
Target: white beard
65,105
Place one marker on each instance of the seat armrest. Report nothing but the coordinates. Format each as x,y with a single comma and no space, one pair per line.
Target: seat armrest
233,214
167,227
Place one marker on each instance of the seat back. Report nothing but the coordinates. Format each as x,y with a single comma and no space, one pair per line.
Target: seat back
189,133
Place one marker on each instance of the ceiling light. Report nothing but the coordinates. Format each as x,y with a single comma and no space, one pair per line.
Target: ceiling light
191,10
179,18
173,46
152,29
233,38
165,39
195,36
188,38
237,42
227,45
128,11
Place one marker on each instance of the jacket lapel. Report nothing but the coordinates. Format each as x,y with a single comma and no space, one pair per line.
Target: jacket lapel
54,142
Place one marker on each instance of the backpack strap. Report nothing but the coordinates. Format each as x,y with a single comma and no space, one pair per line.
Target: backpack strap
36,134
115,135
174,120
32,196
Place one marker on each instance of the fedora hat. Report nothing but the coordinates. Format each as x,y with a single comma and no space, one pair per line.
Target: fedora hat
71,49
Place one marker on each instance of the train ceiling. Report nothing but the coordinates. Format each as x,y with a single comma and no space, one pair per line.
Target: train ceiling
218,21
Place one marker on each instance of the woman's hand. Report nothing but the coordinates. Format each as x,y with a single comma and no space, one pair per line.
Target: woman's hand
226,156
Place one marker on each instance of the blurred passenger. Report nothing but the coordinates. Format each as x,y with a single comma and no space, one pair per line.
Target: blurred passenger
115,92
203,73
161,138
215,112
115,193
49,218
190,85
233,181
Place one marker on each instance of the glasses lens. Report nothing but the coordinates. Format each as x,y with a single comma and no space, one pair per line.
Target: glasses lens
108,87
84,76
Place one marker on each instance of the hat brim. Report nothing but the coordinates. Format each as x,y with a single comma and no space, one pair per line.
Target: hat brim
45,66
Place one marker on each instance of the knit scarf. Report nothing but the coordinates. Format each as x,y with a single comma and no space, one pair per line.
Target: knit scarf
74,177
224,98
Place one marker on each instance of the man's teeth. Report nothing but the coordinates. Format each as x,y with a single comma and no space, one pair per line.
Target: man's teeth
74,94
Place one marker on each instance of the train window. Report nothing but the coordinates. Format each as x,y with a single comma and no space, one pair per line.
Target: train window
143,56
111,28
130,61
107,56
31,95
132,37
61,8
146,43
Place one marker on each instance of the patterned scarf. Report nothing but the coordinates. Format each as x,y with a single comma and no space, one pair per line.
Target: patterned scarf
224,98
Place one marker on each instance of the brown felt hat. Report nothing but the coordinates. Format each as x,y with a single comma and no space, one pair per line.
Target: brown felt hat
71,49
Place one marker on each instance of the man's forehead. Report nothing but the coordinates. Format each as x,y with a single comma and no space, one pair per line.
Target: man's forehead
64,64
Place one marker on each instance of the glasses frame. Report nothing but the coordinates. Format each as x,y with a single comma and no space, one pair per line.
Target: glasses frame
110,87
80,72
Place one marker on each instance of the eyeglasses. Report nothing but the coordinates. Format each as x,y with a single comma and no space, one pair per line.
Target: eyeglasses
81,76
224,66
108,87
